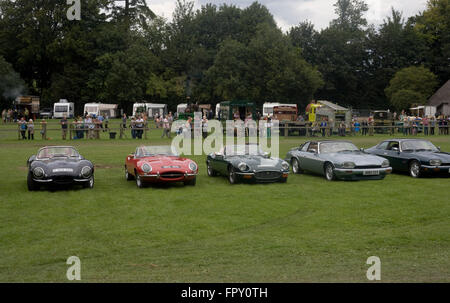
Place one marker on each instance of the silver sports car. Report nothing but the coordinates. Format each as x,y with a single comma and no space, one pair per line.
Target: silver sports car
337,160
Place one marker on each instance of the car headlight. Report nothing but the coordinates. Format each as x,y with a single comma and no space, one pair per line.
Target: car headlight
385,163
242,166
348,165
192,166
38,172
285,165
146,168
435,162
86,172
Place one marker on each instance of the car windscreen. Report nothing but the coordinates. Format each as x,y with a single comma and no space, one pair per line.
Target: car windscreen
51,152
418,145
239,150
147,151
335,147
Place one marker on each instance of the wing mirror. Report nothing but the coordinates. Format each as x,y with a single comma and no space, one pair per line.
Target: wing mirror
266,154
218,155
361,149
439,148
395,149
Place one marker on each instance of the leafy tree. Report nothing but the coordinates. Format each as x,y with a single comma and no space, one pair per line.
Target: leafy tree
415,83
433,25
405,98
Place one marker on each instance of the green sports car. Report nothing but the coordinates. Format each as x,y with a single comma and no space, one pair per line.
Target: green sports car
247,163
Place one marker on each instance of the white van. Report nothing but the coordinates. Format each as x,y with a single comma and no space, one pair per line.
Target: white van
95,109
63,108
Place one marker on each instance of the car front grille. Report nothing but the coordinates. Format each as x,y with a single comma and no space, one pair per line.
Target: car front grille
172,175
268,175
368,166
62,179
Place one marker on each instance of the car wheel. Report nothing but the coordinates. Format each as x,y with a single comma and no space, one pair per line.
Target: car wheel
210,170
32,185
231,175
329,172
414,169
191,182
90,183
128,176
296,169
139,182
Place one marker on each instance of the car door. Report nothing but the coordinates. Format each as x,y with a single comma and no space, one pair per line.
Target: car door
218,162
310,157
392,153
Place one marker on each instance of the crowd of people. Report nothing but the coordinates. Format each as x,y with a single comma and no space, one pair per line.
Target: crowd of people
90,126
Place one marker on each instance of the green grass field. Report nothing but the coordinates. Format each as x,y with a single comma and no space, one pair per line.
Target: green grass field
308,230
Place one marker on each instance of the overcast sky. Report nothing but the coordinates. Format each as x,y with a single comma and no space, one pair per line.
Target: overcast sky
289,13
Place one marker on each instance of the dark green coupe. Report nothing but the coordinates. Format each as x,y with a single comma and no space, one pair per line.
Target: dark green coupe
416,156
247,163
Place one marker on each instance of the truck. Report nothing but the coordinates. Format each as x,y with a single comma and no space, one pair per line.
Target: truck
287,117
382,118
95,109
268,107
63,108
28,104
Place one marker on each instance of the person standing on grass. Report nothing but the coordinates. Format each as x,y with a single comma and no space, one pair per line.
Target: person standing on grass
4,116
166,127
44,129
124,121
139,124
30,128
63,123
425,124
23,127
106,123
205,127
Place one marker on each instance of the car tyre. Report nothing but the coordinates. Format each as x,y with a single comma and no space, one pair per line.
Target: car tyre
128,176
232,175
414,169
329,172
191,182
139,182
32,185
90,183
296,169
211,172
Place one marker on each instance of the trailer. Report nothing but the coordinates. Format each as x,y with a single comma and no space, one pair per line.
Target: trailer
423,111
63,108
151,109
96,109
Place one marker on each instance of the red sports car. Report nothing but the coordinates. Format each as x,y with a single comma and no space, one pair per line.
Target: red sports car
159,164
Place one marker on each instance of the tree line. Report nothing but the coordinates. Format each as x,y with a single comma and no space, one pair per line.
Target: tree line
126,54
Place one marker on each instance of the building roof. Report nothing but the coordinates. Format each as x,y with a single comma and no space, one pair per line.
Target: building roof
441,95
332,105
